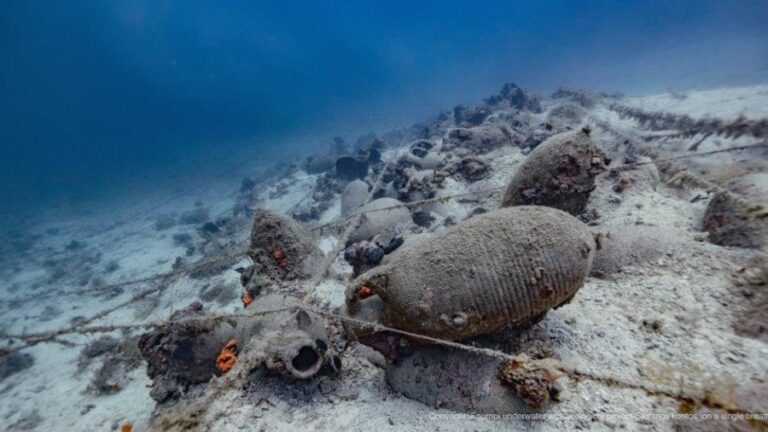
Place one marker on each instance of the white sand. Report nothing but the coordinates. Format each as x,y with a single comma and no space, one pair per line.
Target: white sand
601,331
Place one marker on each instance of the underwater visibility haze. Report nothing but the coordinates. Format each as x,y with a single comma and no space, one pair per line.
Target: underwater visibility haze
97,94
357,215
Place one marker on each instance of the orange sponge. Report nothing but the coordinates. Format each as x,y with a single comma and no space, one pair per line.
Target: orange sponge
227,357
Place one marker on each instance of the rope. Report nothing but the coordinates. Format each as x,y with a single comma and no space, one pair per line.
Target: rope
688,156
674,172
573,373
688,126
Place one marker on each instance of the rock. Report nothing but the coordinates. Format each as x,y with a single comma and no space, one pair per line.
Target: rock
221,293
481,139
363,256
470,169
566,115
515,97
208,230
388,241
97,348
423,218
351,168
560,173
375,220
162,223
540,134
387,190
406,182
422,184
326,188
195,216
584,98
462,282
374,255
468,117
354,196
12,363
183,239
116,358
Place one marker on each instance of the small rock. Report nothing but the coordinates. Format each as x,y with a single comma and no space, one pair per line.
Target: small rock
423,218
194,217
13,363
164,222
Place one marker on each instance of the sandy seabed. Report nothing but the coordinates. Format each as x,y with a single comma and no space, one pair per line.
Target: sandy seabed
670,322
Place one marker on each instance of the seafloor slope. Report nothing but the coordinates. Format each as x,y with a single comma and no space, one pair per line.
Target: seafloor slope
672,324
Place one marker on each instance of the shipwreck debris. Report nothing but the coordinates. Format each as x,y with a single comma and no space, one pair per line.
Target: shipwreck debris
354,196
383,214
731,221
351,168
281,247
559,173
274,333
480,139
501,268
513,96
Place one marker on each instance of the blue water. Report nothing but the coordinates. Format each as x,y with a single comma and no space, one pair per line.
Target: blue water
95,95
